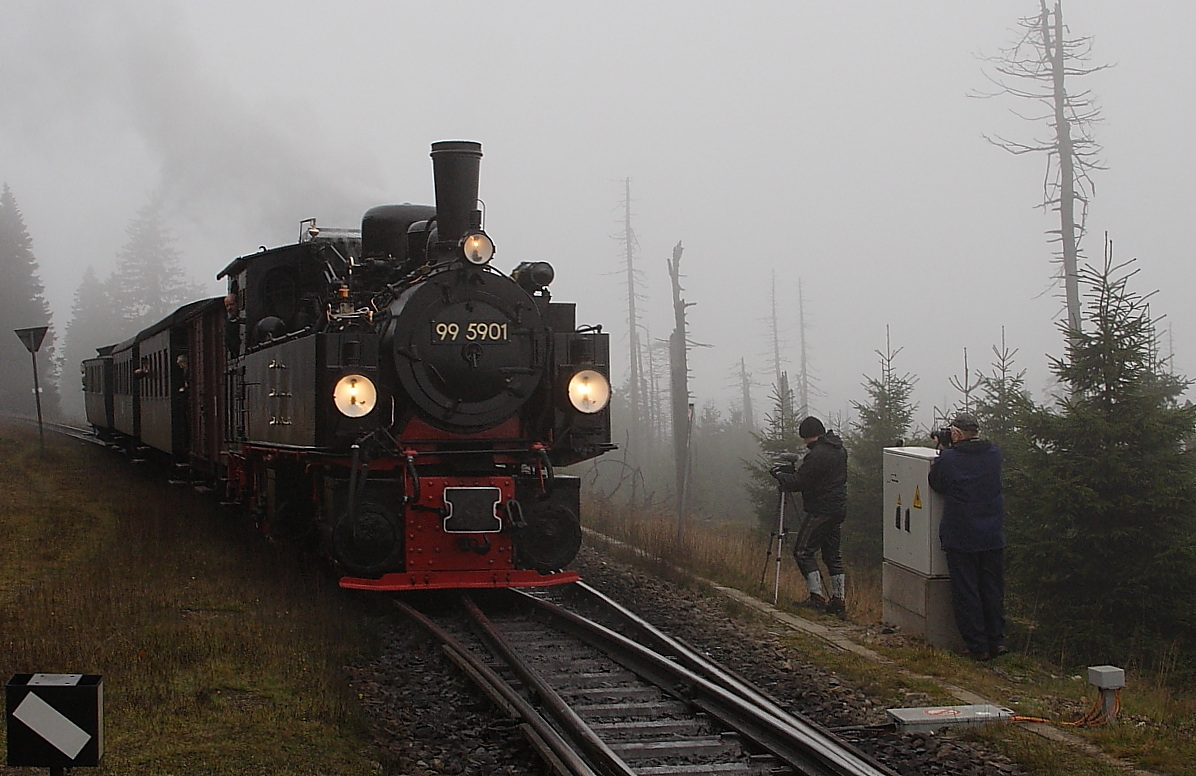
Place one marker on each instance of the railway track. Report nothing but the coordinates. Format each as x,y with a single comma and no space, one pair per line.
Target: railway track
74,432
600,691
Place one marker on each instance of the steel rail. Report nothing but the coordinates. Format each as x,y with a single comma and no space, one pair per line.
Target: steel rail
74,432
651,636
800,744
685,655
546,737
603,757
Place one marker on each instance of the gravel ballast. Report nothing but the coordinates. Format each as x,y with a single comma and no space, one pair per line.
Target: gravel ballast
427,718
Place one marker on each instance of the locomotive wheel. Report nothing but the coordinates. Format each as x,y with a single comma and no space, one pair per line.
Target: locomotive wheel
370,543
549,538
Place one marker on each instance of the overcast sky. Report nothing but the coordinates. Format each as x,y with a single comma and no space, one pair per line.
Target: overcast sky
831,142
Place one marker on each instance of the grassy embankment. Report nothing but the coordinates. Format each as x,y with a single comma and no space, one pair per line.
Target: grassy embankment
219,655
1156,730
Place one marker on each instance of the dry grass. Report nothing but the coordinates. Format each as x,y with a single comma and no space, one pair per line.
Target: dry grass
1157,727
219,654
732,553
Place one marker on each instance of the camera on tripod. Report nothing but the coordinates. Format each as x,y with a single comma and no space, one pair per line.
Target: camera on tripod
786,463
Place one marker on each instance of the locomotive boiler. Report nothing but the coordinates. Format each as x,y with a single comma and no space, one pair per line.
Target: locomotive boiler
387,394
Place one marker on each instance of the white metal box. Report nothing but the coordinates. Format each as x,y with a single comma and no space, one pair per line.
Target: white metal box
912,512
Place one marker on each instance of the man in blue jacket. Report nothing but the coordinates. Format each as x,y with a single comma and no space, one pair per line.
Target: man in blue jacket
968,474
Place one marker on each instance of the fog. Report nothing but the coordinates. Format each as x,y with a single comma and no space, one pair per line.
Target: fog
831,142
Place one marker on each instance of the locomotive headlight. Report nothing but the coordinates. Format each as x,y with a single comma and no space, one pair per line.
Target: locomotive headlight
478,248
355,395
589,391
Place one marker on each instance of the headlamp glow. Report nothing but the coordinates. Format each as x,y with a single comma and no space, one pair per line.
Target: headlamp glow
589,391
478,248
355,395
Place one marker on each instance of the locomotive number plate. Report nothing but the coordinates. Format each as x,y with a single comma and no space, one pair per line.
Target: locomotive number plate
451,332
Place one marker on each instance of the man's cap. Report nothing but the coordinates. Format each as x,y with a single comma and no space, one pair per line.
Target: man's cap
811,427
965,421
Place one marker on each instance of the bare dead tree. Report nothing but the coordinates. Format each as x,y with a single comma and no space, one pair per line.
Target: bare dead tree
1036,68
656,390
775,331
745,382
806,382
679,385
637,394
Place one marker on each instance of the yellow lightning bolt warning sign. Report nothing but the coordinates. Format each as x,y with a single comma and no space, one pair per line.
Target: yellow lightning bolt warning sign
917,497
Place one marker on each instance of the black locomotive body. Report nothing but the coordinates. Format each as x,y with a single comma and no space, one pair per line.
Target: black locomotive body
386,392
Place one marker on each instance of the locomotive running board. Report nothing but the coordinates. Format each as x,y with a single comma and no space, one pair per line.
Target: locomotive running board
445,580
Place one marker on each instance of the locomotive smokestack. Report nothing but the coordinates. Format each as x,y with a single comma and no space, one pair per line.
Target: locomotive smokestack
455,165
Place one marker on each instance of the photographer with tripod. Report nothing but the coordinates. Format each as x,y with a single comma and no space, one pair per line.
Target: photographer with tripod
822,480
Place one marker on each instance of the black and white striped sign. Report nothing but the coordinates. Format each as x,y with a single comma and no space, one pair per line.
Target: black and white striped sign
55,720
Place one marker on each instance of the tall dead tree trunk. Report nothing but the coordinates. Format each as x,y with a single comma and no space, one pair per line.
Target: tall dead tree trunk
1036,68
679,385
803,385
636,393
745,382
775,330
1067,168
656,418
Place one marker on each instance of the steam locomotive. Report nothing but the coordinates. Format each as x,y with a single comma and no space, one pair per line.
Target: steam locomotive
385,393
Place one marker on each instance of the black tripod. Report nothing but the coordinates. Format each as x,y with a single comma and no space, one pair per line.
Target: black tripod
779,534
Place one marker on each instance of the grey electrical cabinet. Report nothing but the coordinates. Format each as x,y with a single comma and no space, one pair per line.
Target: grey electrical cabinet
912,512
915,581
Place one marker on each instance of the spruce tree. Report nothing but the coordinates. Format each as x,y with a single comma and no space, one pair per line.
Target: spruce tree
719,446
884,420
779,436
22,305
1103,546
1004,401
149,281
93,324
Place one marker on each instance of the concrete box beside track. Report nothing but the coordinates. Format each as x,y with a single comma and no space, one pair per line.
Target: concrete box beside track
931,718
920,606
1106,677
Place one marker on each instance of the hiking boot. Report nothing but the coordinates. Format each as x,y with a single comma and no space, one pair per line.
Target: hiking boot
998,651
837,607
815,602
